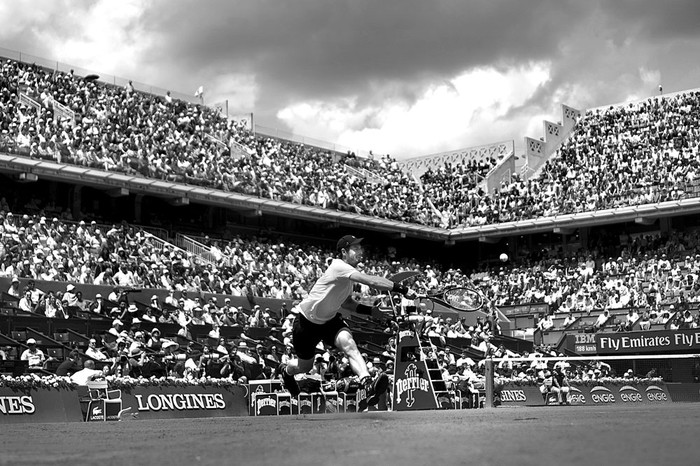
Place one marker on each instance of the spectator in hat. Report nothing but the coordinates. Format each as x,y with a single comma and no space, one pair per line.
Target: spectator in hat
14,290
117,326
243,353
135,325
287,355
34,356
137,357
209,316
98,305
155,304
69,296
139,341
155,342
198,316
274,356
226,306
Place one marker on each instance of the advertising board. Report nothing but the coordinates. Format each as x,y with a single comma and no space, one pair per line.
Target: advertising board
623,393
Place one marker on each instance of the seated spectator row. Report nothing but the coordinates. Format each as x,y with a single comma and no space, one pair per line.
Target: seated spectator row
648,272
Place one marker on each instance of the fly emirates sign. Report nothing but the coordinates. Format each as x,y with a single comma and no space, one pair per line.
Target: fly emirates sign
651,342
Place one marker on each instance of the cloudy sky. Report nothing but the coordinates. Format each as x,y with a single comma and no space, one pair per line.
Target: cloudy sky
405,77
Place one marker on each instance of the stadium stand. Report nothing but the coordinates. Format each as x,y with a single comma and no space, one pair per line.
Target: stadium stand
70,121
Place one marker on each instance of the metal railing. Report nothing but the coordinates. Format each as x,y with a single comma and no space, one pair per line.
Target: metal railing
160,244
363,173
289,136
199,250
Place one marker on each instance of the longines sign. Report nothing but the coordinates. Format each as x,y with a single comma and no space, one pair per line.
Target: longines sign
39,405
179,402
658,341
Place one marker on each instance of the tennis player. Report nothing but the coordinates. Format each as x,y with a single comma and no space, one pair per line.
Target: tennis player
318,319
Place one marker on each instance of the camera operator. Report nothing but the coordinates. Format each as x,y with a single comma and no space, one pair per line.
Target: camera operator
172,357
137,359
153,365
120,355
209,363
233,368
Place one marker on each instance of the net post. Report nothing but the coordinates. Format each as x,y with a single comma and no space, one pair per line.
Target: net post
488,373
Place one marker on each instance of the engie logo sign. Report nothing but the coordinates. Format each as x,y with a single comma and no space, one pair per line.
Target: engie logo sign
576,397
601,394
629,394
656,394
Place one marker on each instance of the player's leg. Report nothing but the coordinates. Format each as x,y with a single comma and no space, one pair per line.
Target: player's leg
305,337
373,387
299,366
345,342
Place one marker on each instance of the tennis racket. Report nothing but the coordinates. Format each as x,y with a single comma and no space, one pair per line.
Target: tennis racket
457,298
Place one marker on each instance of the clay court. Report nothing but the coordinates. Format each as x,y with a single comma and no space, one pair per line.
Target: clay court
581,435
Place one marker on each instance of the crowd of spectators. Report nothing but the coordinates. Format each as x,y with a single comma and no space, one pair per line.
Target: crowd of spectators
119,129
602,164
645,272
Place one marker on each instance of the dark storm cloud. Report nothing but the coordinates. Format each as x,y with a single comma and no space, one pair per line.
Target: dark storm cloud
374,53
317,49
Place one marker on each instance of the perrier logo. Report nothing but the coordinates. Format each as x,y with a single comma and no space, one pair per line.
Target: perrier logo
408,385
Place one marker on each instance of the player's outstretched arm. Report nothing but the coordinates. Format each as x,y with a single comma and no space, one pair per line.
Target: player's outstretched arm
379,283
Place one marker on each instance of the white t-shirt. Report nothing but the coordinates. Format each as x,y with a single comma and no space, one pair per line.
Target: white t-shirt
84,375
328,293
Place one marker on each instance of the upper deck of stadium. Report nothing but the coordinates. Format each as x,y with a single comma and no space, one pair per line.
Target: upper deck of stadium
592,169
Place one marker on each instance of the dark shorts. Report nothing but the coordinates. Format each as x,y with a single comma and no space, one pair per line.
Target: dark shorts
306,335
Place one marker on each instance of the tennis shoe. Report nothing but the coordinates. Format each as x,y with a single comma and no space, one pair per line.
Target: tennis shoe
288,381
375,388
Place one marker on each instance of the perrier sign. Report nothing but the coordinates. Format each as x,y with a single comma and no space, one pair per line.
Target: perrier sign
412,387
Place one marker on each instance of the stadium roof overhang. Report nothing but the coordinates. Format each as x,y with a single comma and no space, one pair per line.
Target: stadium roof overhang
124,184
178,192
